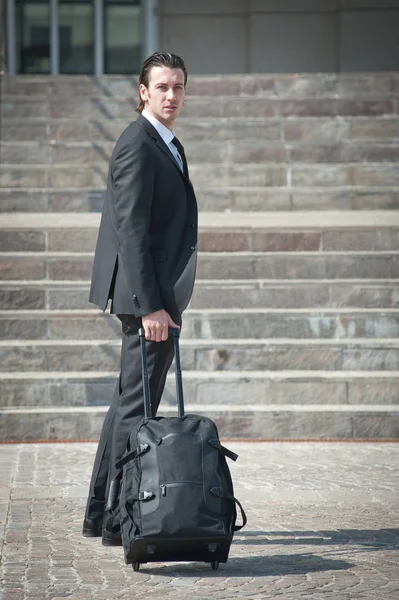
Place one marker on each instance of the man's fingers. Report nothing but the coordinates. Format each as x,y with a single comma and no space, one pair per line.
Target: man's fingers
172,323
156,326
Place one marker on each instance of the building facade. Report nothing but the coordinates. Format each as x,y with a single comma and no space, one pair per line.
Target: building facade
97,37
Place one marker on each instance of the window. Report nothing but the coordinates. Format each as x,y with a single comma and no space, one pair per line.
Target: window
76,37
33,37
122,37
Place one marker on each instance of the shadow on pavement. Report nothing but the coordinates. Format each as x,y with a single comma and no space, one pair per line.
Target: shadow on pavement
374,538
252,566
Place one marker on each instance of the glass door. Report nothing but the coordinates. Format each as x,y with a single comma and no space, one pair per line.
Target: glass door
76,37
32,37
122,36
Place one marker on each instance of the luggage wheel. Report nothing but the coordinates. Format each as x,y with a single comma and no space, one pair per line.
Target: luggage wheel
215,565
136,566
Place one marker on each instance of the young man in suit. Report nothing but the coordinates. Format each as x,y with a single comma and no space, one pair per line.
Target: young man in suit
145,260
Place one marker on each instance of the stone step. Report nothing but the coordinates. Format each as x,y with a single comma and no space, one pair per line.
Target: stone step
38,128
117,87
67,389
218,232
253,323
211,265
270,174
283,198
203,355
281,405
244,293
221,152
86,107
266,423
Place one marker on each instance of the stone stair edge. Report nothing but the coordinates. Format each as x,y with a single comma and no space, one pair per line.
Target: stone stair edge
259,283
220,219
390,78
95,312
217,254
214,408
295,375
204,343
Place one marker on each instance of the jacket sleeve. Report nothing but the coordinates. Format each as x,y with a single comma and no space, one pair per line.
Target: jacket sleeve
132,177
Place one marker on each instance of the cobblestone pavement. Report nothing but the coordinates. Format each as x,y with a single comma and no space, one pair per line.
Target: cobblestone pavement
323,524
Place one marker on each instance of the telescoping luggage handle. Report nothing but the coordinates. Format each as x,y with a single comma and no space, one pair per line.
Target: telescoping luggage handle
179,381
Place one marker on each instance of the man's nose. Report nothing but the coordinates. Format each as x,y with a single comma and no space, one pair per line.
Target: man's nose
171,94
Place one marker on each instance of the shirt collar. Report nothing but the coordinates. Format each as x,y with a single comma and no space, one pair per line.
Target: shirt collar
163,131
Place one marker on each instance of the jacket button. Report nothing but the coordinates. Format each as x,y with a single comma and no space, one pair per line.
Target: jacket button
192,248
192,225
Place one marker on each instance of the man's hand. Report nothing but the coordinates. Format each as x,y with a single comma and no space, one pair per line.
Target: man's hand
156,325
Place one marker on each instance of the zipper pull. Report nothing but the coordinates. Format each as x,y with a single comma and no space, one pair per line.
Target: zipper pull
163,490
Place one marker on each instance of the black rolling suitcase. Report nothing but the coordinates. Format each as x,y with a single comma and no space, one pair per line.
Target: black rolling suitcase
173,493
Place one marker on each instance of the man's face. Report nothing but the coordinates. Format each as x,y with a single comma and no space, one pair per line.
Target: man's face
165,94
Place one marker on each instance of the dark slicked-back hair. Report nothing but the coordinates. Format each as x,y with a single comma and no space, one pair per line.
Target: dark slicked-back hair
159,59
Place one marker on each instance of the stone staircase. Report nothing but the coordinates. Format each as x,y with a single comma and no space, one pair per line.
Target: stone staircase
293,329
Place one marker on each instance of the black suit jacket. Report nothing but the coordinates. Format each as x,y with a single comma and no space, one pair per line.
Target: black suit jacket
145,257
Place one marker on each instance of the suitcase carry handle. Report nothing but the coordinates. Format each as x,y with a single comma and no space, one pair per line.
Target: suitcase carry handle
179,380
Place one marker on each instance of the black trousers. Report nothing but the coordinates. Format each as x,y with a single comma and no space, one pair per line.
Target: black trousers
127,404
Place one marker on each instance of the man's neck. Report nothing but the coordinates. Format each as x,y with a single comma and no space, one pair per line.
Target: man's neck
167,125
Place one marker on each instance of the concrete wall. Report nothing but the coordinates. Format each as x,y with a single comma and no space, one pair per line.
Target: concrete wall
261,36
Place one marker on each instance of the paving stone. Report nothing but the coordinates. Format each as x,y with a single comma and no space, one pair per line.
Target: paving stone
72,240
221,129
373,175
22,267
13,153
14,131
373,392
321,175
365,108
373,129
76,201
238,176
387,239
254,198
35,177
93,390
23,201
72,154
223,294
214,356
70,131
22,241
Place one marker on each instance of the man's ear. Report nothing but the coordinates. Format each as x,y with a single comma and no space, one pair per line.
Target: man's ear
143,92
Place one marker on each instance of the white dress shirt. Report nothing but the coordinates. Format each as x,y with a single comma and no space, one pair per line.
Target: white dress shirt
166,135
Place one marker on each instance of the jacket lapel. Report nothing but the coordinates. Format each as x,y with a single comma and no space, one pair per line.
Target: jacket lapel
145,124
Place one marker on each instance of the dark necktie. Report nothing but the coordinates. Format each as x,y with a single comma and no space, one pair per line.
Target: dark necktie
180,150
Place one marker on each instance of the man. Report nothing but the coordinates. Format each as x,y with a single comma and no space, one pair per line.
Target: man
145,260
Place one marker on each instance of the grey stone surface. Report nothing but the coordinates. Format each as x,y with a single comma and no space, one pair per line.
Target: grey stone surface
236,355
322,522
231,239
214,265
207,324
22,267
267,423
251,295
15,153
33,176
20,298
22,241
261,388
